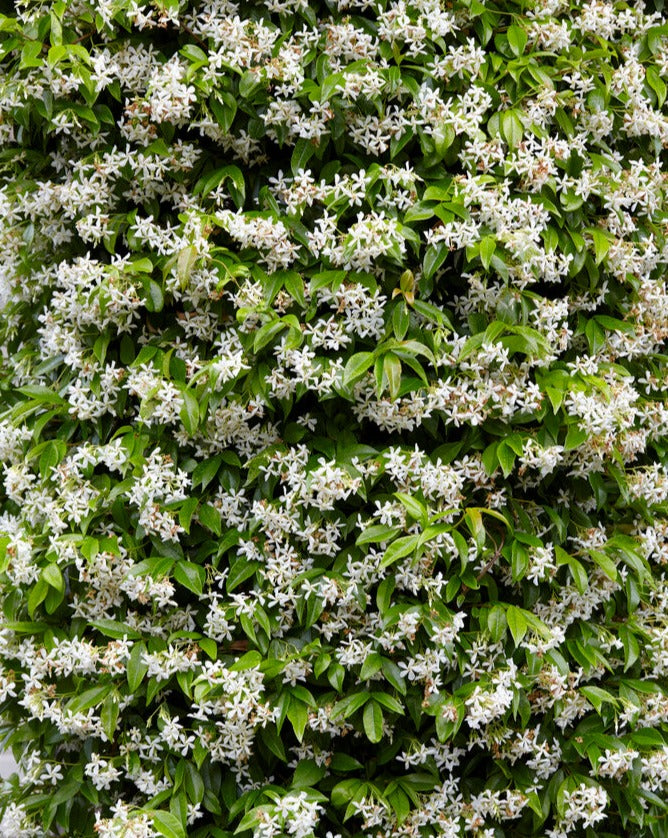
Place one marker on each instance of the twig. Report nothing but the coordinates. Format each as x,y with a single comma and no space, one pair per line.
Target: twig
490,564
235,646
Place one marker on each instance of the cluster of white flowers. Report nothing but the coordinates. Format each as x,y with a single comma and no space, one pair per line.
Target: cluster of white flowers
586,803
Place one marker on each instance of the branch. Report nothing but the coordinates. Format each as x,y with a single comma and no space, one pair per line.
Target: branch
490,564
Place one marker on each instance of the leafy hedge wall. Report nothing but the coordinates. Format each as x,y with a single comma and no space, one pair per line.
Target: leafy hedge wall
334,498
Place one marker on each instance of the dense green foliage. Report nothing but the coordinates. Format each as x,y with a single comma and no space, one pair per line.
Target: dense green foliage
332,366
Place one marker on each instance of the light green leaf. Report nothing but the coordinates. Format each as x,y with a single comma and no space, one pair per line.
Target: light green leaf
167,824
487,248
52,574
511,128
497,623
372,719
413,506
190,413
153,296
517,38
115,629
136,668
399,549
109,716
517,623
392,373
191,576
357,365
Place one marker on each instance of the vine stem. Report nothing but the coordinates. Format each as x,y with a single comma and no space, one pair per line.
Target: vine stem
490,564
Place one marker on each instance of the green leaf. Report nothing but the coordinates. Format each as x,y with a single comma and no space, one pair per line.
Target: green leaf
432,313
53,576
571,201
575,567
473,519
575,437
240,571
400,803
598,696
414,507
349,705
371,665
315,605
88,698
251,819
109,716
307,773
194,53
497,623
236,183
185,264
579,575
345,791
613,324
224,108
392,373
329,86
115,629
186,512
657,84
141,265
39,393
517,39
631,646
24,627
31,55
388,702
208,646
490,461
53,453
606,564
517,623
303,151
434,257
167,824
519,561
298,716
372,719
209,516
443,137
601,244
648,738
247,661
487,248
249,83
384,594
269,736
136,668
357,365
194,784
191,576
399,549
343,763
400,320
506,457
294,285
376,533
190,412
153,296
267,333
393,674
53,599
512,129
336,675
